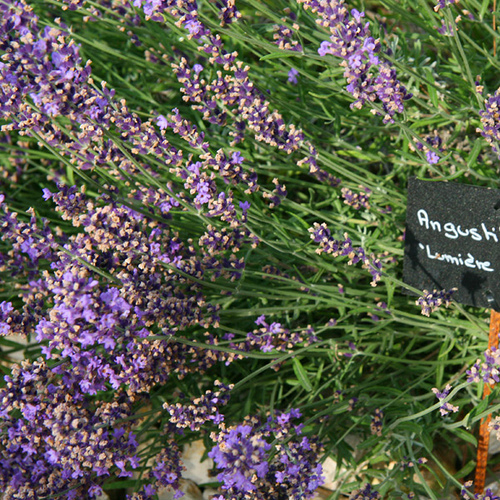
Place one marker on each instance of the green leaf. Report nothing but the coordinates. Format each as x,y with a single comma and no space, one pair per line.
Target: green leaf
431,89
484,8
301,375
466,469
478,144
427,440
465,436
118,485
282,54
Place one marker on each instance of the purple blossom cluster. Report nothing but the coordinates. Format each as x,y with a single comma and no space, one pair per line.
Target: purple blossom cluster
292,76
368,76
445,29
283,35
377,422
494,425
381,308
53,440
407,464
274,337
446,407
66,89
339,248
274,459
488,494
232,90
435,142
432,301
277,195
444,3
45,70
200,411
100,336
357,200
486,370
490,121
365,493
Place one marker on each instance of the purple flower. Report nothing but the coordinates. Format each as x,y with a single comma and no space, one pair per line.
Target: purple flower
162,122
486,370
292,76
325,48
434,141
432,157
445,29
194,27
245,205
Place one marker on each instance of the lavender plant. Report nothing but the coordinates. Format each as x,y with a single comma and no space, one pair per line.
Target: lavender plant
202,214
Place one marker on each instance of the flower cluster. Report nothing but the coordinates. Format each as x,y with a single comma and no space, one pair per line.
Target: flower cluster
357,200
431,301
435,142
446,407
351,41
243,453
444,3
274,336
328,244
377,422
406,463
54,440
292,76
277,195
200,410
490,120
486,371
366,493
381,308
494,425
487,495
283,35
445,29
48,76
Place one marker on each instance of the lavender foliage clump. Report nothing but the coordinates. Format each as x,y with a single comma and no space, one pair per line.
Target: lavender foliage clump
158,281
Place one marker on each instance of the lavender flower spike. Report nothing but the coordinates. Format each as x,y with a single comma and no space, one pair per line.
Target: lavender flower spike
431,301
352,42
490,120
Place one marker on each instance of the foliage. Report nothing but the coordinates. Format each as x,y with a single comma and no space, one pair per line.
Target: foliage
203,210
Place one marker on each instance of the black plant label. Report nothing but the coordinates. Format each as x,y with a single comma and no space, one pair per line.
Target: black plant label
452,240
